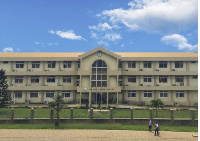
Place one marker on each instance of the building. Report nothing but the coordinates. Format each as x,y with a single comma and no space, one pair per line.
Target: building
101,76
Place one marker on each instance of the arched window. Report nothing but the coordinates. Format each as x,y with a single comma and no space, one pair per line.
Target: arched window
99,74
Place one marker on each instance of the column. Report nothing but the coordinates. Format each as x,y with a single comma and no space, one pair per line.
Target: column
117,99
80,98
107,99
90,97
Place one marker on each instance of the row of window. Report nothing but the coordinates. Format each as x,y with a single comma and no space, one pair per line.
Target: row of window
68,64
162,94
50,64
162,64
49,94
50,79
162,79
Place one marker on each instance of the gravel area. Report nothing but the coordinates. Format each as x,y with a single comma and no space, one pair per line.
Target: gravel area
93,135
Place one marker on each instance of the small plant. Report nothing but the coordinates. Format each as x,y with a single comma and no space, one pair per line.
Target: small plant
157,103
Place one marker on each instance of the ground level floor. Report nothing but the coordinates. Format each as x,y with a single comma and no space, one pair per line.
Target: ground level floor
105,99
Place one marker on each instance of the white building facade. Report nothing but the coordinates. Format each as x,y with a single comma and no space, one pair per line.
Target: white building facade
102,76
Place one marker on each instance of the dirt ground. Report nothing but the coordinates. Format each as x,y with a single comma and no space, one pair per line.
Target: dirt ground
93,135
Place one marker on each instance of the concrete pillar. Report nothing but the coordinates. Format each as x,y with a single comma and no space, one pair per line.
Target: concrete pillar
91,114
131,115
90,98
117,99
12,115
32,115
71,114
80,98
172,116
192,116
151,113
51,115
107,99
111,114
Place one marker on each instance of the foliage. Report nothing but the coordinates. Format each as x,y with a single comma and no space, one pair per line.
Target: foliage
157,103
57,105
5,96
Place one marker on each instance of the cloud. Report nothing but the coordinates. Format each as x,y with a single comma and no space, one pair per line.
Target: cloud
112,36
8,49
178,41
67,34
102,27
44,44
157,16
102,43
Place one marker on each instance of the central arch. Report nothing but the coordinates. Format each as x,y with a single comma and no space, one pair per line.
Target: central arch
99,74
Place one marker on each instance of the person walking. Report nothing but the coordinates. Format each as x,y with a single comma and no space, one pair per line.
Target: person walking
150,125
156,129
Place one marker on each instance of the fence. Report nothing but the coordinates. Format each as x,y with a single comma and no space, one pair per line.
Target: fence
131,116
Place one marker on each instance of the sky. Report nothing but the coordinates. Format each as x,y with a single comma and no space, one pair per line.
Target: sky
82,25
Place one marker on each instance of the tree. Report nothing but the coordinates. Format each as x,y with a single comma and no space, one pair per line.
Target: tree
157,103
5,96
57,105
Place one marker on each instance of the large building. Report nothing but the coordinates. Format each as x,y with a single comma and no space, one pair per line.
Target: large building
101,76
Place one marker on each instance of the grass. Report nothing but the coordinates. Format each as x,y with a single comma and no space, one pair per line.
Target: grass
98,126
83,113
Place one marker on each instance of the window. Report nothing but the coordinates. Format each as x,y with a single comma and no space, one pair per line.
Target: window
51,64
18,79
131,93
147,78
195,77
35,64
120,64
5,62
20,64
147,64
99,74
131,64
67,64
179,94
18,94
35,79
192,61
50,79
33,94
66,94
179,64
163,64
50,94
179,78
163,93
67,79
147,93
132,79
78,65
162,79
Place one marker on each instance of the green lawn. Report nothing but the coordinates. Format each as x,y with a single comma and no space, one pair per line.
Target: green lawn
98,126
83,113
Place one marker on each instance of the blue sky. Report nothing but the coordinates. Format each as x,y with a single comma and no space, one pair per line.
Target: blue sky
82,25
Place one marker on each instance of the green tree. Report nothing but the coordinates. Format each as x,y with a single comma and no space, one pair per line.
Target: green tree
157,103
57,104
5,96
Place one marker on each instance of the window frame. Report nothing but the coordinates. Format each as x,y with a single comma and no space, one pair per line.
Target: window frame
17,94
132,94
19,79
66,94
51,64
67,64
147,64
147,94
178,64
50,94
180,94
19,64
35,64
163,94
35,79
132,79
147,78
163,79
131,64
162,64
51,79
67,79
34,94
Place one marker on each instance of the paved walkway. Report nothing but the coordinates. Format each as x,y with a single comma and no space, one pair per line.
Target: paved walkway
92,135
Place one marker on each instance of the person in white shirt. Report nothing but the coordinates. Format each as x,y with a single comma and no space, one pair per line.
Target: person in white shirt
156,129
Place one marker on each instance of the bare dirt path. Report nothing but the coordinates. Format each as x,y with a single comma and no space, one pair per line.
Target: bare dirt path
92,135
